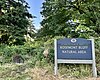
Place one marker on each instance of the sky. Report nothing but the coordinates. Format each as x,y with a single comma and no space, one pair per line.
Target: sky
35,8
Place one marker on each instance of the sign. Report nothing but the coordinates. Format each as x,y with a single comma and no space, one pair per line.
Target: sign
76,51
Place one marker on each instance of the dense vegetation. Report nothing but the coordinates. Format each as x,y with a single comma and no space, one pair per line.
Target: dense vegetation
71,18
61,18
14,21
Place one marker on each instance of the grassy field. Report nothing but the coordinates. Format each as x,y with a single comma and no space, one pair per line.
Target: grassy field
25,71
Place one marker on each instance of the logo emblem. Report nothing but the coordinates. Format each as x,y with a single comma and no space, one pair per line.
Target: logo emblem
73,40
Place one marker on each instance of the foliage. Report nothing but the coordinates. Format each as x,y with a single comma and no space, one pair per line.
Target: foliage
9,51
97,52
32,50
14,21
71,18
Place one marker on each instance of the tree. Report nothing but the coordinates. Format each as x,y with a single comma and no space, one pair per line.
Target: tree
71,18
14,21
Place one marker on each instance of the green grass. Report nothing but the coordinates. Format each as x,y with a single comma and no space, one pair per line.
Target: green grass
43,70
